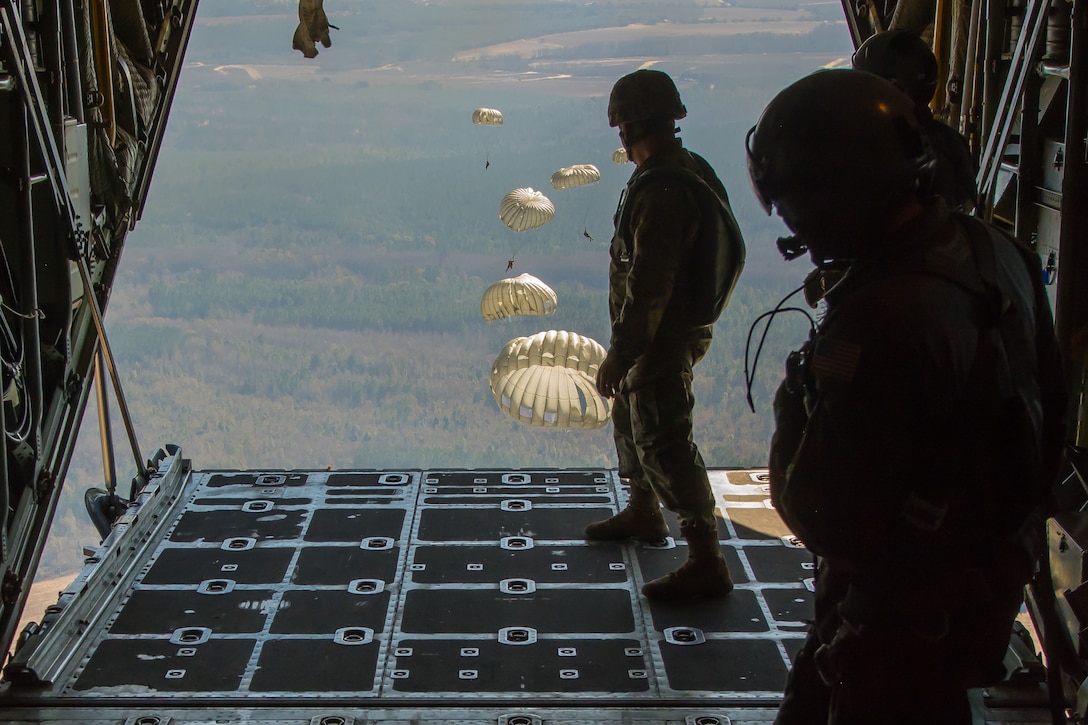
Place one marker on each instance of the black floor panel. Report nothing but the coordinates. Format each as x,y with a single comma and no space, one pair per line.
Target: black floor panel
406,584
728,665
544,666
192,566
315,665
541,564
339,565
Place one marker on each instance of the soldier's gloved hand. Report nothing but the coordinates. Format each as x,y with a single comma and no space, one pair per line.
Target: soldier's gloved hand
611,375
790,410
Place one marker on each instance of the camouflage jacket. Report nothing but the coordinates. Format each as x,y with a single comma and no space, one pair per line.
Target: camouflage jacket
657,224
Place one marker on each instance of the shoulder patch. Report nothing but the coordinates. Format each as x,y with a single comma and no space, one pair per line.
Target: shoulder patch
836,359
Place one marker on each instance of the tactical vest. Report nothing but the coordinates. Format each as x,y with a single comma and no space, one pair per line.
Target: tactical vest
994,502
717,255
983,495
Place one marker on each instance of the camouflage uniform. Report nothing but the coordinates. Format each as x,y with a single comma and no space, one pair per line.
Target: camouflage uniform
656,228
915,434
313,27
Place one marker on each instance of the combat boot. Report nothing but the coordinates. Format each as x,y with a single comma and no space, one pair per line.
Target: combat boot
641,519
704,574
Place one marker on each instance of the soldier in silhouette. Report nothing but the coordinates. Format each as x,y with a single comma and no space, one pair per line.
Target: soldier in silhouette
673,209
918,431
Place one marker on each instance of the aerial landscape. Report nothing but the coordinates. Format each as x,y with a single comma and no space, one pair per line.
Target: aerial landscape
303,288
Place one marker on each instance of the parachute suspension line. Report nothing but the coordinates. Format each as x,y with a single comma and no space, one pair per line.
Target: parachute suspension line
779,308
585,223
513,255
570,177
487,117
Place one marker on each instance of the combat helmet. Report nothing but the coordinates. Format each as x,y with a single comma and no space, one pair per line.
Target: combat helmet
903,58
833,151
644,95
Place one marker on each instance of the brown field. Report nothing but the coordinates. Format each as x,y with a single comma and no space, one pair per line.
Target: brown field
43,594
541,60
527,48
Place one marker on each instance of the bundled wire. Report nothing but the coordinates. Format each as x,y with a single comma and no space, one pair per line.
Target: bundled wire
17,408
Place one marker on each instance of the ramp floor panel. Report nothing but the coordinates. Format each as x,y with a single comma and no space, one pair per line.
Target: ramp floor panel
394,597
432,584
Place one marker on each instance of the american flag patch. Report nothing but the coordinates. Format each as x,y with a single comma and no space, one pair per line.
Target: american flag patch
836,359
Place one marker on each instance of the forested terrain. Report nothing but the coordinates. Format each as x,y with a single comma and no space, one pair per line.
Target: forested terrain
302,290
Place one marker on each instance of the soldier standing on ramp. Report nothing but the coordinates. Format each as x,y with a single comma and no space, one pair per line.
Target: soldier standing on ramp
675,258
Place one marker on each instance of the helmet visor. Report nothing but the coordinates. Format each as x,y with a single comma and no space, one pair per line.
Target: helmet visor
758,173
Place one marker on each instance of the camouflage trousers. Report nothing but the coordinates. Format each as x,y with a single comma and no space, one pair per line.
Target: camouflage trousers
652,427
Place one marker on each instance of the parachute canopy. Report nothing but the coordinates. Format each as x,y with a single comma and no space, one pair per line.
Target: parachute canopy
521,295
619,156
569,177
487,117
525,208
549,379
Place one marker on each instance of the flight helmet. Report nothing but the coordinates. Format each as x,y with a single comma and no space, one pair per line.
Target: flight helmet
833,153
903,58
643,96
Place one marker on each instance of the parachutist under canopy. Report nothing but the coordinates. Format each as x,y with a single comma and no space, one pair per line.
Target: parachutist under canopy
525,208
521,295
585,233
509,264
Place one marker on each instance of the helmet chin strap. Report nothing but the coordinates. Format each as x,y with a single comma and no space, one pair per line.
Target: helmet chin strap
647,130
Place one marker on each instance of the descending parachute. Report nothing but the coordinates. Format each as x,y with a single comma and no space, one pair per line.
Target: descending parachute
569,177
313,27
548,379
525,208
521,295
619,156
487,117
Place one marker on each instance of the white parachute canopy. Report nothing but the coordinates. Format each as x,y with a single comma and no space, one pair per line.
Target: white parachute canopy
549,380
487,117
569,177
525,208
619,156
521,295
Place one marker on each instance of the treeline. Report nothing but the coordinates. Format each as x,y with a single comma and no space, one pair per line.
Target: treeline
376,388
442,303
